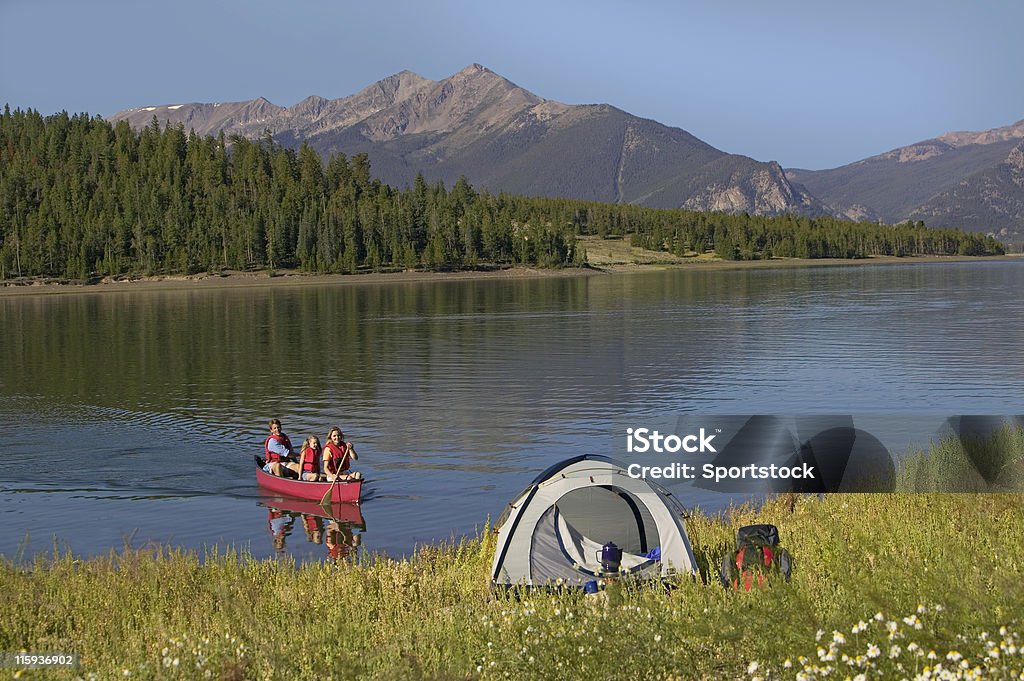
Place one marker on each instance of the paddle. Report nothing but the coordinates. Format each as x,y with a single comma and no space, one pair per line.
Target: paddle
336,476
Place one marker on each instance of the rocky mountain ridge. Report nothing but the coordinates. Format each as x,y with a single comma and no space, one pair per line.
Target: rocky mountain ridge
993,196
958,179
500,136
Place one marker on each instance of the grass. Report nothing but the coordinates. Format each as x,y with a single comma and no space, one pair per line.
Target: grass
970,464
939,574
613,252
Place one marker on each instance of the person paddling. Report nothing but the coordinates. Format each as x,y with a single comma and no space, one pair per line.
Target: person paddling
338,456
279,452
309,458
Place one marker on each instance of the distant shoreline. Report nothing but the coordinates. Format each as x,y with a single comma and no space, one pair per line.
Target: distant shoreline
283,278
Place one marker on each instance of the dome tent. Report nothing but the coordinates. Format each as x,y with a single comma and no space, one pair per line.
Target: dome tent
553,531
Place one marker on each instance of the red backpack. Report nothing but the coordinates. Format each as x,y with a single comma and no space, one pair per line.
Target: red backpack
756,559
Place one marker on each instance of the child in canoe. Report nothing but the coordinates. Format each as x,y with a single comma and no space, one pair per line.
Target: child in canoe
309,458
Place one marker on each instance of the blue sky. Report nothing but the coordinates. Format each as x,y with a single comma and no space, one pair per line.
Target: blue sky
808,84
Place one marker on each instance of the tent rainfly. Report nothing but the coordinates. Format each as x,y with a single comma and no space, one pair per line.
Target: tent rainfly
553,532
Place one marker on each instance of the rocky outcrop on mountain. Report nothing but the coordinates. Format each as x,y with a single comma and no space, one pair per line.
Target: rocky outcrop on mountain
761,190
498,135
1007,133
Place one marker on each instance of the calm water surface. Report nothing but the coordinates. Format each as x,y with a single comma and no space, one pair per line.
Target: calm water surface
133,416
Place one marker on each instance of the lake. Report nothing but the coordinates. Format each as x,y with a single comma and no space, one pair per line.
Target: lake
132,416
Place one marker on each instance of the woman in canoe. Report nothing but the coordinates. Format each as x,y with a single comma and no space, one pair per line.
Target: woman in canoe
309,459
338,456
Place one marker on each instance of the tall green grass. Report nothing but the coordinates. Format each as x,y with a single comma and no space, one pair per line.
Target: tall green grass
954,563
973,464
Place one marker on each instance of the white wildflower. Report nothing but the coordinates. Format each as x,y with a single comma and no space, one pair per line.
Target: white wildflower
954,656
859,627
894,652
878,617
752,667
873,651
837,637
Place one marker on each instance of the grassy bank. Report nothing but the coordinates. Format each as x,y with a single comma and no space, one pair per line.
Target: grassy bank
970,464
884,580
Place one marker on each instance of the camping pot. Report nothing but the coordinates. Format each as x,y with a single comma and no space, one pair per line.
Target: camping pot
610,557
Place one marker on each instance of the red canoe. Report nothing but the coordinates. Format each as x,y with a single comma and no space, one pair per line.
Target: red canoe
347,492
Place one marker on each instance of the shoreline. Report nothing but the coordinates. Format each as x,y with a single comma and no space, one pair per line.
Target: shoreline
264,279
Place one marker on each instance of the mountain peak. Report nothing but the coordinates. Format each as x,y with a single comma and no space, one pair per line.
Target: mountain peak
474,68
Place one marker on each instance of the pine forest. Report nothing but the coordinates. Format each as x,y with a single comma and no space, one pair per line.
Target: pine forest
82,198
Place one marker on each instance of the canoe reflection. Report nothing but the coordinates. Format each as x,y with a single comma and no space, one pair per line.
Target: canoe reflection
337,526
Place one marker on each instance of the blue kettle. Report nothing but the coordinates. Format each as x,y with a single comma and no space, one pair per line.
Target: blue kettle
610,556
